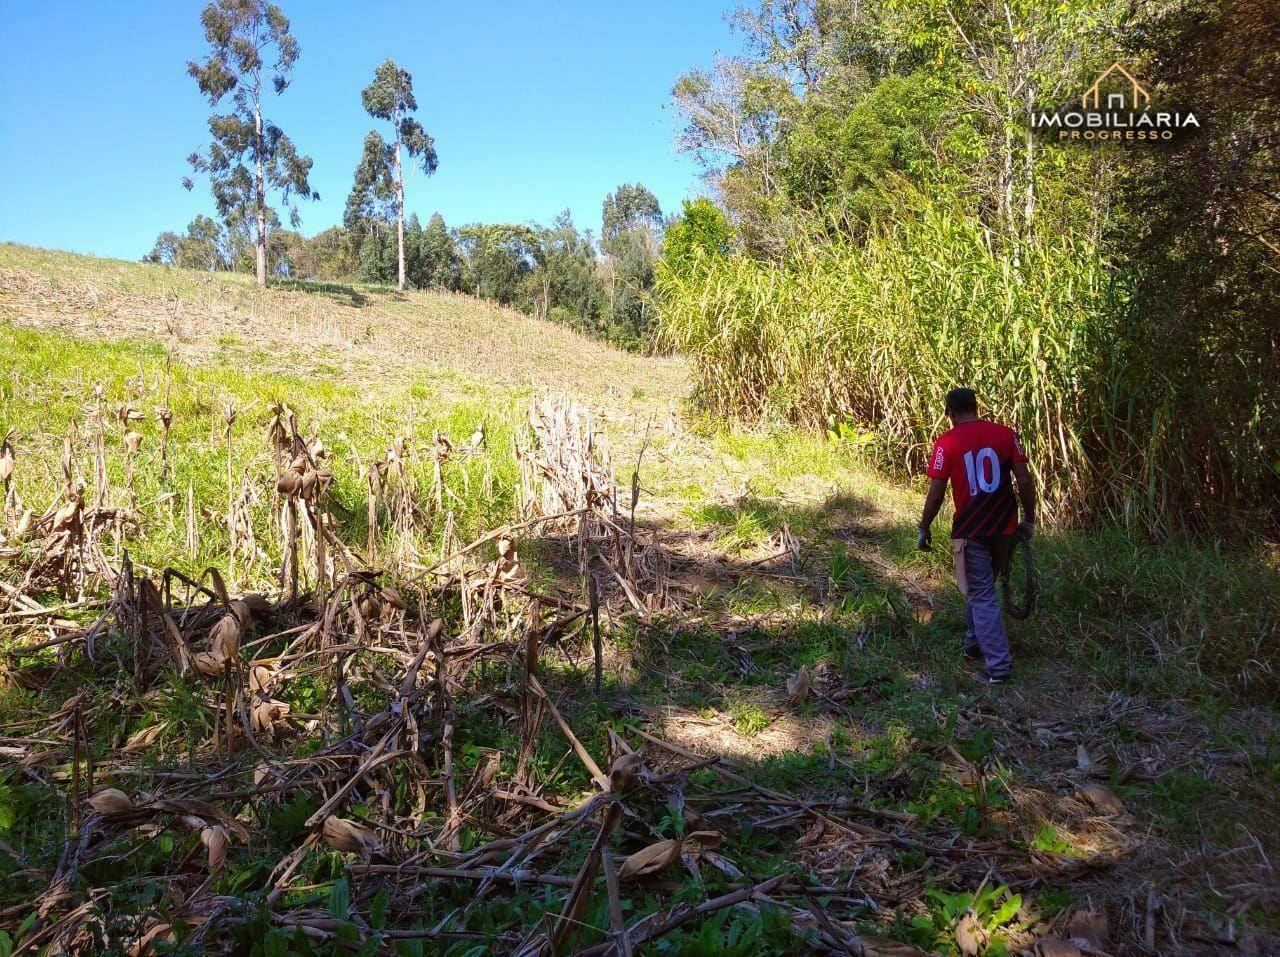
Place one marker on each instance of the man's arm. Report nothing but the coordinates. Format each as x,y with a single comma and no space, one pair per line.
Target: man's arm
1026,494
932,502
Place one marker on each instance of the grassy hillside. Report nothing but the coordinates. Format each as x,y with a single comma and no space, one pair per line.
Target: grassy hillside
321,330
923,796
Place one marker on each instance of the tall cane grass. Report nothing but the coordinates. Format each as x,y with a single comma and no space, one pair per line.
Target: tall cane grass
877,332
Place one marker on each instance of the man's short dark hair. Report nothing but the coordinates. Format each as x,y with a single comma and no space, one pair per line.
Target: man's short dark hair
961,400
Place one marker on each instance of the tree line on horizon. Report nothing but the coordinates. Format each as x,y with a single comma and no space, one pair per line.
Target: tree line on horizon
599,284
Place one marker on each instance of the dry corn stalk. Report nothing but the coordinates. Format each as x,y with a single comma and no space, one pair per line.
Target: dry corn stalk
7,457
565,467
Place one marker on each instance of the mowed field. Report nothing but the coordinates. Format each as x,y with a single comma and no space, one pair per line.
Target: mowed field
1117,797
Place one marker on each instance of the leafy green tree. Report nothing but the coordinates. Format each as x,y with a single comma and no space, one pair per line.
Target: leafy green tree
569,288
1199,238
331,255
249,156
369,204
435,262
631,220
627,209
203,247
390,97
701,233
500,258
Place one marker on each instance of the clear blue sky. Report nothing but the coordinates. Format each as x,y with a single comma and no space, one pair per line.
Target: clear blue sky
535,107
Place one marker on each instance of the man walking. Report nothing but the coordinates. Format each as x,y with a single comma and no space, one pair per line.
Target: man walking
980,458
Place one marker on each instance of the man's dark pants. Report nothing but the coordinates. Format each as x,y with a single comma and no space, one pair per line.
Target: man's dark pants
985,634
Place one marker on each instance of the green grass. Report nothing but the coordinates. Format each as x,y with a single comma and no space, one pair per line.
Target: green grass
49,386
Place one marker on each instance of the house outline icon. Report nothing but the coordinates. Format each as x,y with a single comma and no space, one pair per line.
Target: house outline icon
1139,96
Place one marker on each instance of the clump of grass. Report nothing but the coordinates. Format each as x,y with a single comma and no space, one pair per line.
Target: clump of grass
874,333
749,720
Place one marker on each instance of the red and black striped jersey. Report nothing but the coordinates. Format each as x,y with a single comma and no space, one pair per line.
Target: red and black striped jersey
977,457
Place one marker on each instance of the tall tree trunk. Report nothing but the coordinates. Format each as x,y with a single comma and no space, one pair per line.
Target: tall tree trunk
260,198
399,215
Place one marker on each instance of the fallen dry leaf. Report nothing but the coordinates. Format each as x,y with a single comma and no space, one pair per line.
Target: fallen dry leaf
1056,947
1102,798
1089,927
111,801
650,860
348,836
798,686
157,931
141,740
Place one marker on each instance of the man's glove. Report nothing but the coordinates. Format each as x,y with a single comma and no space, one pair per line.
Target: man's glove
1025,530
924,539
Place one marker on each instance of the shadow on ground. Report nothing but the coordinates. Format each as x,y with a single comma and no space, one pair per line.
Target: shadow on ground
341,293
892,722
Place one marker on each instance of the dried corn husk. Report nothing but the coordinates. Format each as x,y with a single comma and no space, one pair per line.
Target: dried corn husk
266,712
224,637
6,458
215,839
66,513
625,772
290,482
650,860
798,686
141,740
349,837
111,802
209,664
260,678
132,441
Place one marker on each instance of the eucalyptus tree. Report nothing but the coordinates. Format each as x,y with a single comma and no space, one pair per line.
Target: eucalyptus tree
369,204
251,52
390,97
